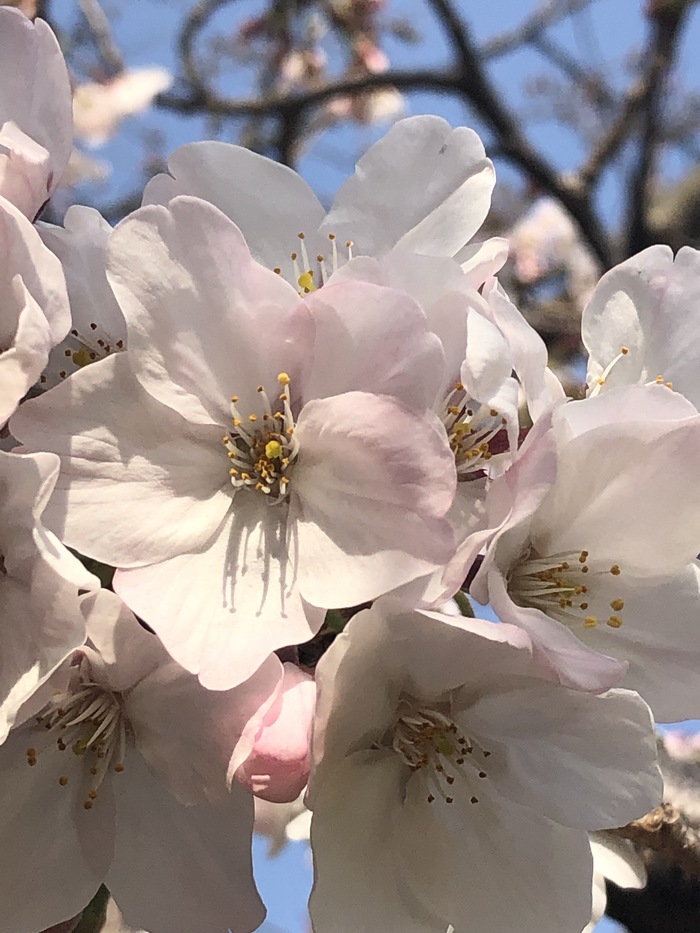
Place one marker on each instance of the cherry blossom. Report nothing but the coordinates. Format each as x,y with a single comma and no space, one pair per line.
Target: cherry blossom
449,779
424,187
640,324
250,456
593,542
127,771
36,131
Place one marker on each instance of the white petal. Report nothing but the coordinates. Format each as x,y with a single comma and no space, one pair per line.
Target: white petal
54,854
357,882
204,320
138,482
234,179
221,610
180,869
583,760
423,186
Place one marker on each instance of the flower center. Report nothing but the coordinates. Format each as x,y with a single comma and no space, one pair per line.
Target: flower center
430,742
90,724
82,350
262,449
470,430
564,587
309,276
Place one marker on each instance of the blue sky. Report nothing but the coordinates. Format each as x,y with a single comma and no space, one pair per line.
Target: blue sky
606,33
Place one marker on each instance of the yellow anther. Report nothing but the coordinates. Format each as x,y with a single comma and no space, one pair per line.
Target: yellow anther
260,389
277,270
493,412
234,399
615,570
63,780
590,622
293,256
306,281
614,622
283,379
252,418
660,380
601,382
31,753
669,385
81,357
301,236
119,768
273,450
624,350
617,604
87,805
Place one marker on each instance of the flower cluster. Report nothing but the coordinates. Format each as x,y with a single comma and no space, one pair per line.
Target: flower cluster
258,455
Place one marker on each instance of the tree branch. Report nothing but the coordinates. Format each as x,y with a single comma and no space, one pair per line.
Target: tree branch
666,17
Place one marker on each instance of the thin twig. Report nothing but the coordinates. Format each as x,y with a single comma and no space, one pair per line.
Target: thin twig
101,30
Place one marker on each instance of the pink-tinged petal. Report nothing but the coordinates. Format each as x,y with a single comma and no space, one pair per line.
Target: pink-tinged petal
278,766
204,320
54,854
138,483
189,735
371,339
424,187
493,865
179,869
372,485
221,610
358,883
35,94
233,179
584,761
25,170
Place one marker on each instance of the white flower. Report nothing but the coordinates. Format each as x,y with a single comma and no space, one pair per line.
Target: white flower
424,188
593,542
451,785
36,131
124,778
34,311
333,477
39,582
641,324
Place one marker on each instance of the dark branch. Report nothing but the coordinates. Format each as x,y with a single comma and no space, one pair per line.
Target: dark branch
666,17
